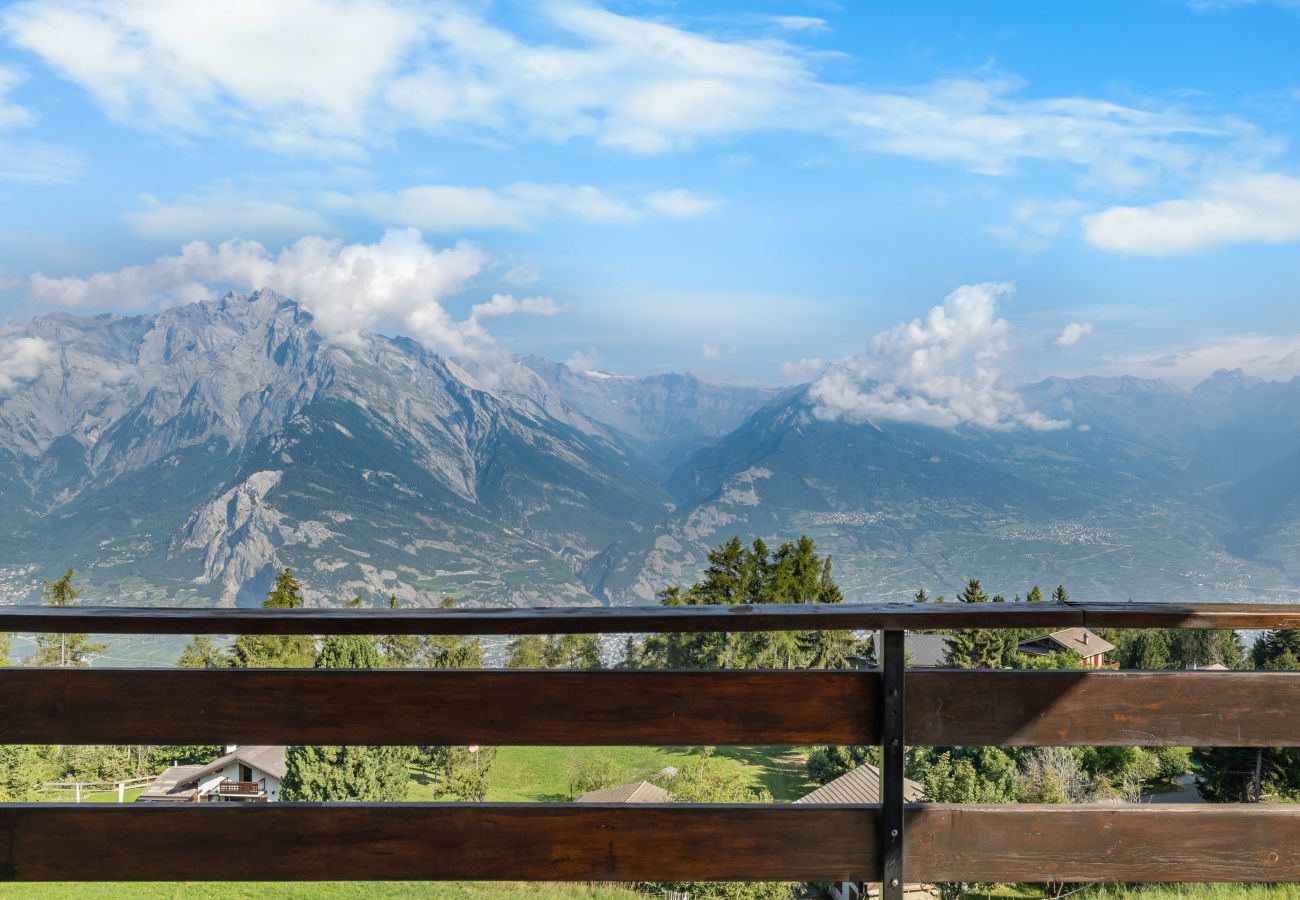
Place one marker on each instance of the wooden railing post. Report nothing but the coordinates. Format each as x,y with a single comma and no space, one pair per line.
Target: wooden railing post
892,663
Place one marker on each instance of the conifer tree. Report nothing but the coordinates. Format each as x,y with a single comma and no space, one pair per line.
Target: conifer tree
572,651
1034,596
346,773
1060,595
528,651
63,650
274,651
203,653
1149,649
978,648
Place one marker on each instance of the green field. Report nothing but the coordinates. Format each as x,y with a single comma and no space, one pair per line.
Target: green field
351,890
523,774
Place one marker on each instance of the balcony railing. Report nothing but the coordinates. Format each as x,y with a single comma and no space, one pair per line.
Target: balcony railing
241,788
651,842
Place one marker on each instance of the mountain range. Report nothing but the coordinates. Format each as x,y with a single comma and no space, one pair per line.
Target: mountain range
184,457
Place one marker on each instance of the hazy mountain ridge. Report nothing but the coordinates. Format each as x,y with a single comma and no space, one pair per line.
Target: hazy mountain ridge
183,457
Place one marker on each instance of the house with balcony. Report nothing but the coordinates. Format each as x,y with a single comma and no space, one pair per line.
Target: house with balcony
243,774
1089,647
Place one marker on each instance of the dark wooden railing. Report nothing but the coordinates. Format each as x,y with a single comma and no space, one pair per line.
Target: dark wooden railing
648,842
246,788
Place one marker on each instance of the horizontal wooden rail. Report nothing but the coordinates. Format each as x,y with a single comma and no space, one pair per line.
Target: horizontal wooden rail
654,708
643,842
638,620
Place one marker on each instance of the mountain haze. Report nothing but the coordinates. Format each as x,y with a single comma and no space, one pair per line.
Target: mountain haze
186,456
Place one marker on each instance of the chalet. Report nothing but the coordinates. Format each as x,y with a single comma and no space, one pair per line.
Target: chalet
247,774
1080,641
641,792
862,785
926,651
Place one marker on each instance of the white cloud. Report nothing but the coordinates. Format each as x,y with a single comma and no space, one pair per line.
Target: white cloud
27,160
583,360
944,370
507,305
397,283
445,207
1275,356
639,85
22,358
710,351
220,214
804,369
1071,334
1033,223
1247,208
680,204
11,114
256,66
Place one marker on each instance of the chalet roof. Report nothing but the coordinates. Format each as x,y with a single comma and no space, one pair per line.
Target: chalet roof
859,785
176,783
268,759
1077,640
927,651
641,792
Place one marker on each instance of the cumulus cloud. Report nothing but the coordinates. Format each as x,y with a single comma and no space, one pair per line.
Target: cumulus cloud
1071,334
942,370
399,283
1259,208
1274,356
804,369
636,84
22,358
583,360
507,305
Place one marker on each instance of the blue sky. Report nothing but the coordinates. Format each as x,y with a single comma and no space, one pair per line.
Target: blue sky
722,187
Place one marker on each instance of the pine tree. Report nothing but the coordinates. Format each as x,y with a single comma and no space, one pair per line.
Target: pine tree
273,651
528,651
63,650
1149,649
203,653
1034,596
346,773
1060,595
978,648
572,651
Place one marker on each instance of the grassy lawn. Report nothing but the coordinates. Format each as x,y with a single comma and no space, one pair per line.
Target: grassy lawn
522,774
353,890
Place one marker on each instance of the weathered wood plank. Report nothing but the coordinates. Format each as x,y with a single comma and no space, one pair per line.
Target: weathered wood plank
1189,615
616,842
546,620
529,841
1212,842
495,707
1073,708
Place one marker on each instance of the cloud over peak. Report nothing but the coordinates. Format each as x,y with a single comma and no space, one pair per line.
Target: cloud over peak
942,370
398,283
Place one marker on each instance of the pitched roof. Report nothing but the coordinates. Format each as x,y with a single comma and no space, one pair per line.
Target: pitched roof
266,759
859,785
177,783
641,792
1078,640
927,651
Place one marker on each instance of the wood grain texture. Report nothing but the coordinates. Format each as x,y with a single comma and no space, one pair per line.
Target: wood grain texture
622,842
1212,842
1177,709
1189,615
493,707
654,708
549,620
528,841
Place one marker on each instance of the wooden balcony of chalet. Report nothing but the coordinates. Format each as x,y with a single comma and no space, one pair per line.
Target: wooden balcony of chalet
887,842
230,788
